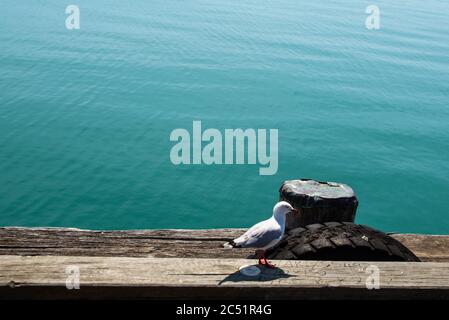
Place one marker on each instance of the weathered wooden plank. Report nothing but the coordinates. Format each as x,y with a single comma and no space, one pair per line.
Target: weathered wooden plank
426,247
132,243
164,243
123,277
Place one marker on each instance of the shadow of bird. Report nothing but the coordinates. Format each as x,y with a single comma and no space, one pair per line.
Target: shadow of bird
266,274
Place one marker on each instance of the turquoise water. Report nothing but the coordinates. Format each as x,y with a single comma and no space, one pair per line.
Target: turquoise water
85,115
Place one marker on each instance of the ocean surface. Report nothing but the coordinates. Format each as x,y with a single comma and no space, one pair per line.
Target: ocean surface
86,115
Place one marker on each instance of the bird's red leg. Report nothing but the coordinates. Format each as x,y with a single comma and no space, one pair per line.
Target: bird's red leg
261,256
267,264
263,261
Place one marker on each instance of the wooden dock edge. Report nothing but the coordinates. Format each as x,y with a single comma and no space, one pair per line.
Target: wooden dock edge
176,243
51,277
38,263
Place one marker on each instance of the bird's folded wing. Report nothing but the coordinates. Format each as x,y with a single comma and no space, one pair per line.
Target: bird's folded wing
259,236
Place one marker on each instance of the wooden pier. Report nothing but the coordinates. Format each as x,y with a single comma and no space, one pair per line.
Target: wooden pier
152,264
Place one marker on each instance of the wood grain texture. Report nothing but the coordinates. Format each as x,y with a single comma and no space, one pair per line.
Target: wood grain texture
130,243
44,277
164,243
426,247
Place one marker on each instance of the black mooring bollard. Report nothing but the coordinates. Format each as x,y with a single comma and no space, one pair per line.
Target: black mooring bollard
318,202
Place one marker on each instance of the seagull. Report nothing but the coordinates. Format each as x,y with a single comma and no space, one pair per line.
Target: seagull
265,234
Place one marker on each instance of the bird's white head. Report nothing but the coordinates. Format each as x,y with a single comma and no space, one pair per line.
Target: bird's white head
282,208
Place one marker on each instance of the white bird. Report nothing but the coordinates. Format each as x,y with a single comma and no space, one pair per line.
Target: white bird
265,234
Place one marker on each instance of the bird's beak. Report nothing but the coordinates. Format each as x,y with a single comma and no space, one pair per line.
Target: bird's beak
294,210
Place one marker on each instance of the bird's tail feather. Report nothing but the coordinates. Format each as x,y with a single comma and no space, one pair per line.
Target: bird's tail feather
229,245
